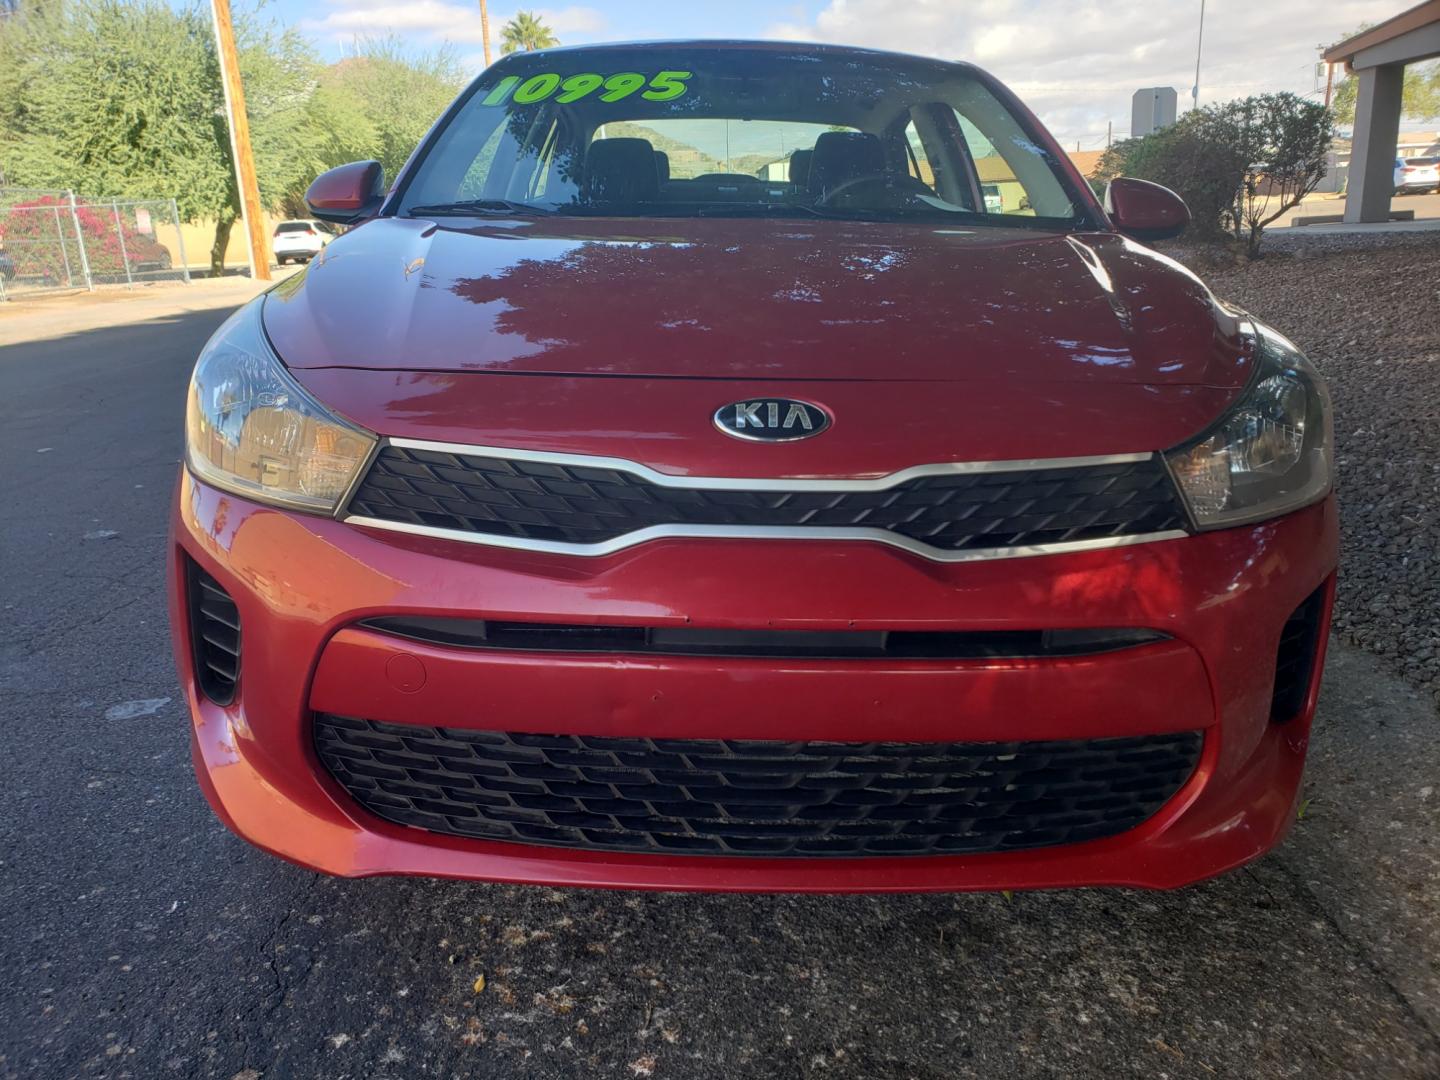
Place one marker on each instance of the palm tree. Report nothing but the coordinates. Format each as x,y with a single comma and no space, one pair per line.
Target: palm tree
485,30
526,31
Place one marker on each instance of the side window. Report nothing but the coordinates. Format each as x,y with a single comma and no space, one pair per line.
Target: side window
1015,174
476,176
918,162
1002,190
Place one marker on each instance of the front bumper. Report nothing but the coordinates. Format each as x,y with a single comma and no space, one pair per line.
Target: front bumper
302,584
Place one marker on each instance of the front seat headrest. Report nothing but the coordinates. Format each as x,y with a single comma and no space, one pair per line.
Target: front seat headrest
844,155
621,171
662,165
800,167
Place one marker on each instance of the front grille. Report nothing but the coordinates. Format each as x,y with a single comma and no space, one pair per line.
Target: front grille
754,798
572,504
214,636
1295,658
700,641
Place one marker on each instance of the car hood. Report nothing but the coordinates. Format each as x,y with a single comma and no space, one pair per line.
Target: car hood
751,299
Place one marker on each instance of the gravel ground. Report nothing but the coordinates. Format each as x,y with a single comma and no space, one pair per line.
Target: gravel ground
1366,309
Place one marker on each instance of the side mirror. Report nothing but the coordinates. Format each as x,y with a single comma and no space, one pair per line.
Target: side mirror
347,193
1145,211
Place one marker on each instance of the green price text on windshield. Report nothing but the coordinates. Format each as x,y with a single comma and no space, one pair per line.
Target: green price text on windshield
664,86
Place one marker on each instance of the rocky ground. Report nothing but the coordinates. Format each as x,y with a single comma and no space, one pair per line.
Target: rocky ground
1366,308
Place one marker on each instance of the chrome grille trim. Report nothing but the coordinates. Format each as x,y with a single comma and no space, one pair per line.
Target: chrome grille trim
740,483
760,532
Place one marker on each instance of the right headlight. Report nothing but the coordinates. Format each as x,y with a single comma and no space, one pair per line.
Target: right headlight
1270,454
251,429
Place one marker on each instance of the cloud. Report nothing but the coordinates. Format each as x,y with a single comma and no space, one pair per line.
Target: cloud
1077,64
434,21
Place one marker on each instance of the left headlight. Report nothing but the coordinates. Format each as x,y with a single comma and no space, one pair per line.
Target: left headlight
251,429
1270,454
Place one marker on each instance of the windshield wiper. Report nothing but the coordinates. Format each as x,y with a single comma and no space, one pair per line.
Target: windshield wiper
478,208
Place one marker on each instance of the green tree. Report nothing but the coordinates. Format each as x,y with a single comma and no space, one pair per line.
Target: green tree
124,99
526,33
379,102
1420,96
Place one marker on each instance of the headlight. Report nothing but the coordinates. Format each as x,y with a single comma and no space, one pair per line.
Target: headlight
251,429
1269,454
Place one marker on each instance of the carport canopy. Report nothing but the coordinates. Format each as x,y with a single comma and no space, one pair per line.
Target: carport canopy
1377,57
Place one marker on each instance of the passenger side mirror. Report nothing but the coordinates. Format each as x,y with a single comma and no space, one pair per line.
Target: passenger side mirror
1145,211
348,193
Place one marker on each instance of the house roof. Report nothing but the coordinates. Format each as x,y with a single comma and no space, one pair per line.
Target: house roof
1392,28
1085,160
992,169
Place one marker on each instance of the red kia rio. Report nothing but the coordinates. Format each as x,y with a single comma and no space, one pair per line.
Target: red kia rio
751,467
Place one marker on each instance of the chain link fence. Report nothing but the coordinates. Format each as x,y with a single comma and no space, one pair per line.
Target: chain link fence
53,240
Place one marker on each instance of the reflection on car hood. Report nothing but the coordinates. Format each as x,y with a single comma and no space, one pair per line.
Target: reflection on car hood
754,299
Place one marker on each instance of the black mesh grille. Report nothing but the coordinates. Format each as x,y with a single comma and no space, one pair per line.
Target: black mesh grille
1295,658
215,634
730,797
574,505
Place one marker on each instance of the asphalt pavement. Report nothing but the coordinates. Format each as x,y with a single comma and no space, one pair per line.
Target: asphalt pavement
142,940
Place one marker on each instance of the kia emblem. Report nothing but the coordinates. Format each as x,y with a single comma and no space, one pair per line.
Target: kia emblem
771,419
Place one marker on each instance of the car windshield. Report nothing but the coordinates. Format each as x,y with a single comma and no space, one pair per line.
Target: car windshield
293,227
695,131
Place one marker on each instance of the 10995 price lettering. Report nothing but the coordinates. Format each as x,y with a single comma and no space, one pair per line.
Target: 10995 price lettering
663,86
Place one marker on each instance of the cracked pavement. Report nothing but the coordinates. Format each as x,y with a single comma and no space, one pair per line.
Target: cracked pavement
142,940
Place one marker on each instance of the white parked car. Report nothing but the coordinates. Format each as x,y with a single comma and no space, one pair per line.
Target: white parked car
298,240
1417,174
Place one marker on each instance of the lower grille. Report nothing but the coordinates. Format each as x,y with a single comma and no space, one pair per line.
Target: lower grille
752,797
1295,658
214,636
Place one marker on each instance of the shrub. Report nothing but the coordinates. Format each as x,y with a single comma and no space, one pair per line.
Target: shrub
1195,159
29,234
1238,166
1284,140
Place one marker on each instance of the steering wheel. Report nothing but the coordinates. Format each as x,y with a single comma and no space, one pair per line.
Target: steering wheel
889,180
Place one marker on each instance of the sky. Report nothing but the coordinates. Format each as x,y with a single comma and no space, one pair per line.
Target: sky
1075,62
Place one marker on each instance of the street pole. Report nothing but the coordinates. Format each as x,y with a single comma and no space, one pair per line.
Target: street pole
239,125
485,30
1199,41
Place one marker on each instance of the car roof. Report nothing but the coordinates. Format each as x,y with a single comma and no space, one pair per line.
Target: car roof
853,52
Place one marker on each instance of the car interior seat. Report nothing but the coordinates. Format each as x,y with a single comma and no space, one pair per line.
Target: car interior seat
621,171
800,167
841,156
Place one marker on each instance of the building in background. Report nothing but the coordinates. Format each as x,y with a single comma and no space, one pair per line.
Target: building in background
1377,57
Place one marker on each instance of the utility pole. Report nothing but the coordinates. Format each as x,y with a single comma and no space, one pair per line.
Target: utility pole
1199,41
485,30
1109,133
239,124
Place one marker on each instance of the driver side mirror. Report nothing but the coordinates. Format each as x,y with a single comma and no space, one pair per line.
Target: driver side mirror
1145,211
348,193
